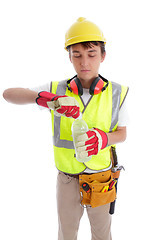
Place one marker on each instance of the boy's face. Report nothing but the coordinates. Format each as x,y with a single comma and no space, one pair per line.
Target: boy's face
86,62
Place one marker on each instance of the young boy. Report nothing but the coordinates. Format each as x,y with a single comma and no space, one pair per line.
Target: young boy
102,105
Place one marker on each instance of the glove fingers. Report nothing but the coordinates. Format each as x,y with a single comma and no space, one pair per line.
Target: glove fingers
82,139
84,152
76,115
89,143
91,140
81,149
72,112
86,136
93,152
61,110
68,111
92,146
86,147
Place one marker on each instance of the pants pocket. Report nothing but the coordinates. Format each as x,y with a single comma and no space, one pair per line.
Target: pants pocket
64,178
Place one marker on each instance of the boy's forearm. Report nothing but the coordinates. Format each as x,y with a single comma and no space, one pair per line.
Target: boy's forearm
118,136
20,95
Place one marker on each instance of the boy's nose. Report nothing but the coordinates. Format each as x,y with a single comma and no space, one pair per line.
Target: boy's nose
84,62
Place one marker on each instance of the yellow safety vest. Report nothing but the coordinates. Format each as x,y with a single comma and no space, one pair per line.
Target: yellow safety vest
100,112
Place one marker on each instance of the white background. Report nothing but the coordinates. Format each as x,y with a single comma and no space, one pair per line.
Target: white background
32,53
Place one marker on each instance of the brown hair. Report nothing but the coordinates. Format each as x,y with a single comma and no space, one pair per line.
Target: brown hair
90,44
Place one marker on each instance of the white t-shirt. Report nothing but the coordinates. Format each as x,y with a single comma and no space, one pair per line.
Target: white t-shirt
122,121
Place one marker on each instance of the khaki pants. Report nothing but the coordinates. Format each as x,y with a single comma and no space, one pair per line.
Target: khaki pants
70,212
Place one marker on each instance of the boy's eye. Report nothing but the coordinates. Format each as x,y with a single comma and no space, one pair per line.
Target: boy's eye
92,55
77,55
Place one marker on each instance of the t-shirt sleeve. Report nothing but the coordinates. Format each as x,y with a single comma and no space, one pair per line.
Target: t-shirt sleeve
46,87
123,119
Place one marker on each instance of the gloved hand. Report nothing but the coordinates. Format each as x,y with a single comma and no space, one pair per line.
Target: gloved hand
62,105
91,142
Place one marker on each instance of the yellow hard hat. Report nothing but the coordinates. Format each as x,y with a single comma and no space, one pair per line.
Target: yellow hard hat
83,31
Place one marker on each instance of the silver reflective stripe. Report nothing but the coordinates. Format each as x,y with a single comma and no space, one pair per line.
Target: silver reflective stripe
57,142
61,88
116,96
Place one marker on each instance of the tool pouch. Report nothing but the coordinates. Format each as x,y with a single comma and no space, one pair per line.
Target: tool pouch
95,197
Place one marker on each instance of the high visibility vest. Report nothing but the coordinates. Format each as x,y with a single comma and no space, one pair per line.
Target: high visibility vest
100,112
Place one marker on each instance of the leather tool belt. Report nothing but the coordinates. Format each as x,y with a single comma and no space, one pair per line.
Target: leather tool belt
99,188
96,191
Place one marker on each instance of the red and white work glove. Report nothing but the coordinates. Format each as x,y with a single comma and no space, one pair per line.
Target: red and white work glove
62,105
91,142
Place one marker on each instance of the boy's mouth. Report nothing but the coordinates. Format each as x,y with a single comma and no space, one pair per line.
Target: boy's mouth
85,70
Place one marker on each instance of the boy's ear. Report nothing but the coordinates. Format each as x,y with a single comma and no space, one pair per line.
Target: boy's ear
70,56
103,56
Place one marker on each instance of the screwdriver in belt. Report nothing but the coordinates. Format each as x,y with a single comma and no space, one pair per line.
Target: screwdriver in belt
112,184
